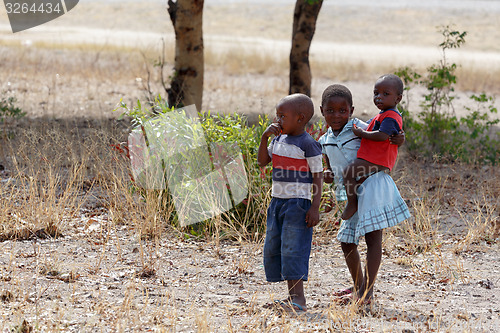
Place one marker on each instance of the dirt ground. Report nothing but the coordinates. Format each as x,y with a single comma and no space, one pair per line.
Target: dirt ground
440,269
100,276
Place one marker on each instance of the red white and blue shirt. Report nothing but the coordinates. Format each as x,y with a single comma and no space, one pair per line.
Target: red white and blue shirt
294,159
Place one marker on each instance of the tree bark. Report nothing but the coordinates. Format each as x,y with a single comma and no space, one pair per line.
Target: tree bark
304,25
186,86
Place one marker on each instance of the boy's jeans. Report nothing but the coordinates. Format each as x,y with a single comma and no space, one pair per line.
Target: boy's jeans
288,240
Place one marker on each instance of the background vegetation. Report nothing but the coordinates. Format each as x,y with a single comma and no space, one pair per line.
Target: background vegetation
438,132
67,186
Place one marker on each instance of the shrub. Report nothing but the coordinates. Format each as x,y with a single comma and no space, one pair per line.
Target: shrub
437,132
247,219
8,110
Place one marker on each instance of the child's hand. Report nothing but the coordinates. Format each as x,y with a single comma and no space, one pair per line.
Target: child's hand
312,217
357,130
328,176
273,129
398,139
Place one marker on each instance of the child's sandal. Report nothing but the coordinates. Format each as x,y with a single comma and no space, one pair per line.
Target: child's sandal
344,292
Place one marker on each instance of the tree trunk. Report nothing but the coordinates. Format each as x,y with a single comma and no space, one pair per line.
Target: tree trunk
186,86
304,24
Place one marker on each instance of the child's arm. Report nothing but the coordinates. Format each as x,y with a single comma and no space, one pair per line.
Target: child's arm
312,216
370,135
398,139
327,174
263,157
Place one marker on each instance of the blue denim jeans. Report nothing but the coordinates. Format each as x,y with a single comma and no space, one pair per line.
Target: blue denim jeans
288,240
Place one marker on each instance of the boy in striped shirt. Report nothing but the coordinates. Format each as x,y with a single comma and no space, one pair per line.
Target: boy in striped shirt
297,177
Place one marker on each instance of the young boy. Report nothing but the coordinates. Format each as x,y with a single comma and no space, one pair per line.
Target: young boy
376,153
291,216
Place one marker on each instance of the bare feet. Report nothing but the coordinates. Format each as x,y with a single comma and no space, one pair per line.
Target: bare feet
349,210
353,299
359,298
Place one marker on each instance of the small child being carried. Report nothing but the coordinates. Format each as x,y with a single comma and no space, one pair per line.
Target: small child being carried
376,153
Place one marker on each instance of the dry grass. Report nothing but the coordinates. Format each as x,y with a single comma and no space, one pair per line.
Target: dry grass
64,179
476,79
105,75
481,226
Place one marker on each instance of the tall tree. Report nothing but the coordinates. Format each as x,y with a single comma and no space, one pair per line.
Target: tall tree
186,86
304,25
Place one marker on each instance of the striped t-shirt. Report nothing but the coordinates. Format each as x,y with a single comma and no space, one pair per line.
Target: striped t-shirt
294,158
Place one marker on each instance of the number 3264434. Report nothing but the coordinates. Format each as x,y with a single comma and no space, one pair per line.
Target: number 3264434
33,8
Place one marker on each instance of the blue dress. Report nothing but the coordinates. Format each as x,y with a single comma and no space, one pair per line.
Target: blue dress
380,206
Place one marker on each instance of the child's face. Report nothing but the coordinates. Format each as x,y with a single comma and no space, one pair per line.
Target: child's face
337,112
291,122
385,95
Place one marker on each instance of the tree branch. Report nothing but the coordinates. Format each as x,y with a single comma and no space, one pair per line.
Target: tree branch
172,11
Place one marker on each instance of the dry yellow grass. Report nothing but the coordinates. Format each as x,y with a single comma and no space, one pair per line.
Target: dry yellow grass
245,44
90,81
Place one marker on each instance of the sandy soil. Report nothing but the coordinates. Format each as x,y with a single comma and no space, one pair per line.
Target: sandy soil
101,277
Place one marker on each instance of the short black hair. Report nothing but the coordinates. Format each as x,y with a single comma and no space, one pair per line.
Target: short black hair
301,104
395,80
336,90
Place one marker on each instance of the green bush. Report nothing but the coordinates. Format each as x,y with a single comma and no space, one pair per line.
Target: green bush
247,219
249,216
437,132
9,110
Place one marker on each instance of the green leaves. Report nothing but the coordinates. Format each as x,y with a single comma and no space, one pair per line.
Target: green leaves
452,39
9,110
140,114
437,131
223,134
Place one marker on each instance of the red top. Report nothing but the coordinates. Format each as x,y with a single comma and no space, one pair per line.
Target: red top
380,152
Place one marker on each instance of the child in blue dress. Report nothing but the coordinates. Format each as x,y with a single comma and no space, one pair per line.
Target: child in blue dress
379,203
